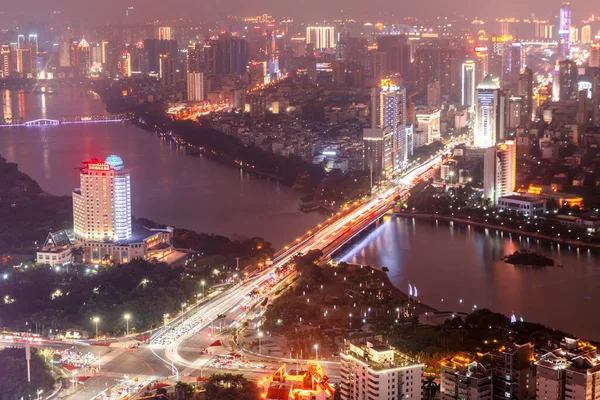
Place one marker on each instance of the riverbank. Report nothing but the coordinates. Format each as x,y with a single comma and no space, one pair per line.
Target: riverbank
466,222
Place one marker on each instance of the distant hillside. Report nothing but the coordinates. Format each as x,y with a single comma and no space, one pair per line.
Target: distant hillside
27,213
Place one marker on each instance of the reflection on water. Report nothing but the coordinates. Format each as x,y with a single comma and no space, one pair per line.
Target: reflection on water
167,185
449,263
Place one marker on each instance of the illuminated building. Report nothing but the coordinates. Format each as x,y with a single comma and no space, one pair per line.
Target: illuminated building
574,34
377,150
164,33
569,370
24,64
56,250
594,60
499,171
522,205
378,372
388,112
525,90
195,86
153,48
468,85
306,382
321,37
434,95
256,106
125,65
4,61
397,52
515,112
437,62
194,57
428,121
20,41
257,71
488,119
298,45
564,30
465,377
586,34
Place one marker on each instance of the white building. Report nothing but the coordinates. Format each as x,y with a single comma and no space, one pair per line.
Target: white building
195,86
522,205
488,121
428,121
56,250
102,203
321,37
468,85
499,171
378,372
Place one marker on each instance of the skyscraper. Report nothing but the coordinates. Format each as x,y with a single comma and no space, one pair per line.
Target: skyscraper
102,204
388,111
195,86
568,80
488,121
564,30
525,90
468,85
167,71
226,55
499,171
397,52
321,37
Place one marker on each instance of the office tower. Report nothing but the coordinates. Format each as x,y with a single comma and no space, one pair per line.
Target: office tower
397,52
515,112
525,90
33,44
465,377
64,55
102,204
569,370
321,37
125,65
226,55
83,57
24,62
388,112
20,41
153,48
375,66
377,150
195,86
488,120
167,72
586,34
567,70
428,121
468,85
499,171
164,33
4,61
378,371
298,45
104,45
564,30
194,57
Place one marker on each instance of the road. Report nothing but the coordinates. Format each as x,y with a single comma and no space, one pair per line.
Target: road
181,358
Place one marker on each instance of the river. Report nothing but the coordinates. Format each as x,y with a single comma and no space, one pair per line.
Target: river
168,186
448,263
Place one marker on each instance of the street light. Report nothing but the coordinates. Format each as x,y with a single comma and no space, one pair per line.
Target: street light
202,283
182,305
350,320
96,320
316,352
127,317
260,342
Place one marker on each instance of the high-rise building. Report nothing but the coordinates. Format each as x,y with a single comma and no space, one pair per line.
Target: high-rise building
499,171
153,48
488,120
525,90
164,33
515,112
434,97
388,111
321,37
125,65
194,57
24,62
568,80
377,371
195,86
569,370
428,121
83,57
226,55
378,145
564,30
102,203
468,85
437,61
4,61
167,72
397,52
586,34
513,375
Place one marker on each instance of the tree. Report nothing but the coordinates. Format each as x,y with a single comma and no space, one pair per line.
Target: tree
430,386
230,387
183,391
13,374
77,253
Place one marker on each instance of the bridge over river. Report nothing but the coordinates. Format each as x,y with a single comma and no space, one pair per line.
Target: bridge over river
81,119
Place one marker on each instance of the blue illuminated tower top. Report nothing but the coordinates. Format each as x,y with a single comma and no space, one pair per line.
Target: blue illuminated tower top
115,162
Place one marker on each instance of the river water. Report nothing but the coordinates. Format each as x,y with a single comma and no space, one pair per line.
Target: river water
167,185
448,263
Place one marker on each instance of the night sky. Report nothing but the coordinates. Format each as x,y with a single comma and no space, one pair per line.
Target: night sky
106,10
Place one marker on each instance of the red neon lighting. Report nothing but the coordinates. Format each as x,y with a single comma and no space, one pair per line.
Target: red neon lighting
99,167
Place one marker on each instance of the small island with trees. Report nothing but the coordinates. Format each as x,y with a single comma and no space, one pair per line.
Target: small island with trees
529,258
